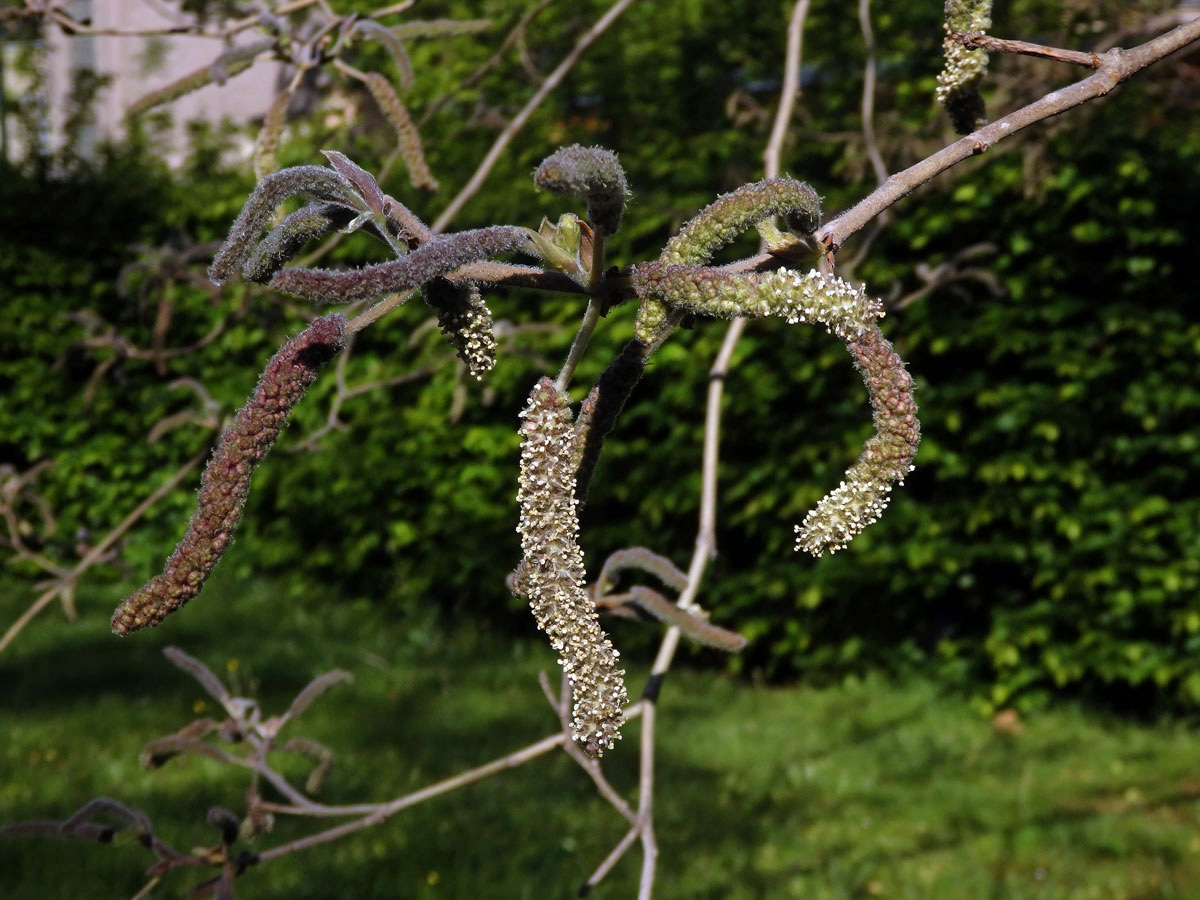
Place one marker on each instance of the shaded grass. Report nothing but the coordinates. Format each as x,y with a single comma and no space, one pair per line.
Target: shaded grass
870,788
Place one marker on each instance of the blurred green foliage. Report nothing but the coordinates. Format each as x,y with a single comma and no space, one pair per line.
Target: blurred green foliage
1050,537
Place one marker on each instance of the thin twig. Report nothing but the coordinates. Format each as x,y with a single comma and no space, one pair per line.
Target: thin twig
518,122
868,92
375,813
705,545
1116,67
98,551
472,79
791,88
587,326
978,40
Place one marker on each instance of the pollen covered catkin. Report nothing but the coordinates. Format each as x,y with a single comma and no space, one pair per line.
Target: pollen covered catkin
551,574
846,311
226,482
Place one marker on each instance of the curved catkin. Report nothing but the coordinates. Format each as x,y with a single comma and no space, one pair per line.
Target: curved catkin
592,173
435,28
372,30
886,457
847,312
393,108
465,321
808,297
226,482
290,235
551,574
731,214
429,261
958,82
320,182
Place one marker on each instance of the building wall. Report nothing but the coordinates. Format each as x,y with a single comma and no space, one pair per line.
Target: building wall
242,98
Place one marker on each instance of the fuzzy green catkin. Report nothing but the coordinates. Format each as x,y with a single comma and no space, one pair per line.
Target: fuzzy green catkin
808,297
592,173
435,28
318,181
232,62
552,574
847,312
731,214
958,82
226,482
372,30
287,238
429,261
466,322
266,145
886,457
393,108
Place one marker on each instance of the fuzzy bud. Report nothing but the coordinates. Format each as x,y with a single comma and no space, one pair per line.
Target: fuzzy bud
552,574
226,482
592,173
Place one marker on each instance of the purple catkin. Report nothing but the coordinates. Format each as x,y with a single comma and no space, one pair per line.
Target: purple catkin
285,240
226,482
317,181
438,257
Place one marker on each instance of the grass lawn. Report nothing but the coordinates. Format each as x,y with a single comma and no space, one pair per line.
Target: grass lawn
868,789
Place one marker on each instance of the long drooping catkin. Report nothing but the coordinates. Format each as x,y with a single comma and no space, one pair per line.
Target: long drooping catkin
551,574
812,297
226,482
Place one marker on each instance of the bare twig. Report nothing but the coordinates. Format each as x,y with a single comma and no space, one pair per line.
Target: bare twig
791,88
868,92
1116,67
518,122
99,550
471,80
978,40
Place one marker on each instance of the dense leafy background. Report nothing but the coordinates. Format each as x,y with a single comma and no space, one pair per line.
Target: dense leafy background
1049,538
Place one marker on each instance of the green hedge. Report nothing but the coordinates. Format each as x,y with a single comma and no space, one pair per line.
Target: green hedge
1048,539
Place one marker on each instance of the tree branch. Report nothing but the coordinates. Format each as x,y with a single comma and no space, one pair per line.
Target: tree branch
502,140
978,40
